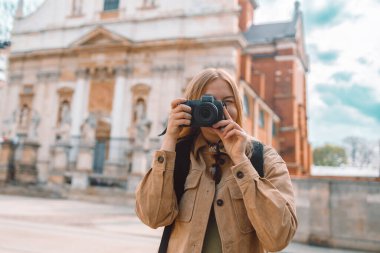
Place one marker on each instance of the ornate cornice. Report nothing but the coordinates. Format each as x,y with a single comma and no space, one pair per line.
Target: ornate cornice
16,78
223,65
46,76
82,73
164,68
123,70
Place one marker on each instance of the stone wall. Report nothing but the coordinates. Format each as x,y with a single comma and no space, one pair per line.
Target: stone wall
342,213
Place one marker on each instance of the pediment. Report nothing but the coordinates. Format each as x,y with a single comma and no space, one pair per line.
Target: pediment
101,37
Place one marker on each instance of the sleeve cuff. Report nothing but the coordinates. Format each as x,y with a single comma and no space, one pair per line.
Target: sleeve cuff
244,172
163,160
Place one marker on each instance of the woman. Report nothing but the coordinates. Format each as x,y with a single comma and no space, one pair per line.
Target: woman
231,209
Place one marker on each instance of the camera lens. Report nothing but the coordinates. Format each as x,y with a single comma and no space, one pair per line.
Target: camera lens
206,114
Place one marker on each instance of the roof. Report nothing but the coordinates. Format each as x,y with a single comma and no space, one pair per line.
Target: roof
267,33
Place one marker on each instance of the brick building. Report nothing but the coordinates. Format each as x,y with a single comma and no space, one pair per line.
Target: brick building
275,64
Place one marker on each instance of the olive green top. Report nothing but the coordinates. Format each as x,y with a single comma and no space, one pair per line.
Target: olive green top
212,243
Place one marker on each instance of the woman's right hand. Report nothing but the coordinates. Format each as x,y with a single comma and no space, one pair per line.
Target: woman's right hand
180,115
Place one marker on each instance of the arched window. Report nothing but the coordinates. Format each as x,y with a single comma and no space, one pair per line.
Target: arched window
110,5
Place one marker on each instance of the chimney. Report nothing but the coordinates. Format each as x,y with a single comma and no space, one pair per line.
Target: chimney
247,8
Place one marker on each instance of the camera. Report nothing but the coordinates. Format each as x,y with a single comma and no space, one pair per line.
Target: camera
205,112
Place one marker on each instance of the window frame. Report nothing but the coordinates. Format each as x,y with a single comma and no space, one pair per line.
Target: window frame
111,5
261,118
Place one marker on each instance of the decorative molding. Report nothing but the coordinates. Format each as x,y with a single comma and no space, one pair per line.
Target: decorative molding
125,70
16,78
82,73
140,90
223,65
148,5
44,76
167,68
102,72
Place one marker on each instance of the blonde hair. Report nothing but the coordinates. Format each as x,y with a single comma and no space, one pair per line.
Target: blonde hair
195,89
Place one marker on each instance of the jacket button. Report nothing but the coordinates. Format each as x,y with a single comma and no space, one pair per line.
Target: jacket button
220,202
240,174
221,161
160,159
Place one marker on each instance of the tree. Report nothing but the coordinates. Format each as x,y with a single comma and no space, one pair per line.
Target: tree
329,155
360,151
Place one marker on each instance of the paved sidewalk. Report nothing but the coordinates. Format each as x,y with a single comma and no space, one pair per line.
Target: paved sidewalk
34,225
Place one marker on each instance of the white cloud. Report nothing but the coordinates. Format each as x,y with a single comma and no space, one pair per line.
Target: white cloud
355,35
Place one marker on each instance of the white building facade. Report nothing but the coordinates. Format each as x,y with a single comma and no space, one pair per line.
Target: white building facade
103,73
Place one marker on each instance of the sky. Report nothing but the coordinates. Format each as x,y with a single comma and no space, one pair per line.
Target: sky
343,43
7,6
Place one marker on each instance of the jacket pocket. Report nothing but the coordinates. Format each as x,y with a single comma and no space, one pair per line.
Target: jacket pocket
187,203
241,215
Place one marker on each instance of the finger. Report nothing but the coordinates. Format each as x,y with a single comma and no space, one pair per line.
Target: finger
181,115
182,108
233,132
182,122
227,129
222,123
226,114
177,101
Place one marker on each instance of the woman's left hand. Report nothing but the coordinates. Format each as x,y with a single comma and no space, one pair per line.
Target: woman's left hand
234,138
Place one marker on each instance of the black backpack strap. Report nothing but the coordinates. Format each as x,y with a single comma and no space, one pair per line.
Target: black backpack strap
181,170
257,158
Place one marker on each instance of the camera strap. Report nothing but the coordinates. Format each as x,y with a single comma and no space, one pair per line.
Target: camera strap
182,168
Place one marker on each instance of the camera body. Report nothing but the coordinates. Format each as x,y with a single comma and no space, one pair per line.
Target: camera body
206,111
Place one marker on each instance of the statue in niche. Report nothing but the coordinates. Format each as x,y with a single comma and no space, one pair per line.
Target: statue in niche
24,117
142,124
64,126
88,130
35,122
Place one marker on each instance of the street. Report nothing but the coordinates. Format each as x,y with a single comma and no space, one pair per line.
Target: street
35,225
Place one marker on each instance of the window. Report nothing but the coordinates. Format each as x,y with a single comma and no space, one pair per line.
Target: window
111,5
246,105
261,119
274,129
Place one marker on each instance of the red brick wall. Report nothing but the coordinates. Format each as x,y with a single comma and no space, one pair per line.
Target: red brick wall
279,92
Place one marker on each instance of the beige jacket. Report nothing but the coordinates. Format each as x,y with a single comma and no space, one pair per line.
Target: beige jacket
253,214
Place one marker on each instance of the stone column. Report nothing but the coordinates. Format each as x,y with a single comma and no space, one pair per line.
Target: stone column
117,131
77,111
78,103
